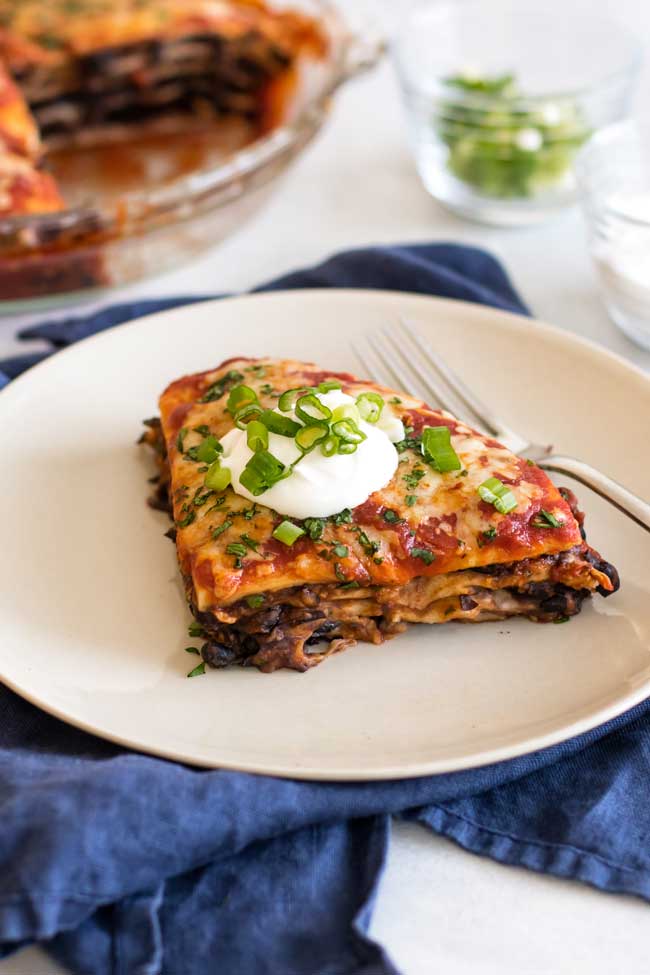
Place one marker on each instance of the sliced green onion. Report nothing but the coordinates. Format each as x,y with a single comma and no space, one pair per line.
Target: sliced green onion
330,445
286,401
218,477
346,448
329,385
310,408
346,411
257,436
287,532
370,406
262,471
341,551
308,437
247,413
495,492
282,425
209,449
348,431
240,396
437,449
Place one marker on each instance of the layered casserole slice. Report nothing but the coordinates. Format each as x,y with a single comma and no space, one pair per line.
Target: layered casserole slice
461,530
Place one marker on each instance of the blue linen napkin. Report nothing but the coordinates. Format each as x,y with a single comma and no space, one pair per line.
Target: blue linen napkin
130,865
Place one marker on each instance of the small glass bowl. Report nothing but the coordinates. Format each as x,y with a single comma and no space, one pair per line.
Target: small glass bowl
502,95
613,172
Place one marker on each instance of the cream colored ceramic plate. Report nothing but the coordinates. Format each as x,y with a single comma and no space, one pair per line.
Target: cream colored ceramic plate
93,617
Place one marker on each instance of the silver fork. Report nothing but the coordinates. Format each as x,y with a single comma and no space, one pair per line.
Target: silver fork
401,357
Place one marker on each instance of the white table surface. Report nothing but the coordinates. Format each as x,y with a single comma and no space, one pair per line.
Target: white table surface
439,909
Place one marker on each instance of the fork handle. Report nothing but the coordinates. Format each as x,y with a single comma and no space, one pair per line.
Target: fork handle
626,502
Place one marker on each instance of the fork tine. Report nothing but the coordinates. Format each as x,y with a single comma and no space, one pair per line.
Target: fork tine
397,376
370,362
455,383
434,390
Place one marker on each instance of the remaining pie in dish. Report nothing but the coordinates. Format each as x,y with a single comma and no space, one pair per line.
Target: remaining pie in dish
78,72
460,529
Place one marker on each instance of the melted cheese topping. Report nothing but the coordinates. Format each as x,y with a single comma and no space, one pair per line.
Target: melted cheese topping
420,523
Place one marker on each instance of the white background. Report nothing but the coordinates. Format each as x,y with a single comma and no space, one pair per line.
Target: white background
440,909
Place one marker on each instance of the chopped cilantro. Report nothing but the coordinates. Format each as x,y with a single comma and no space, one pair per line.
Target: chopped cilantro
351,585
395,400
200,499
562,619
203,429
408,443
195,629
255,601
392,517
339,573
411,499
366,543
221,529
342,518
198,670
236,548
413,478
260,371
546,519
341,551
490,532
193,650
250,542
377,560
216,390
314,528
187,520
424,554
182,433
266,389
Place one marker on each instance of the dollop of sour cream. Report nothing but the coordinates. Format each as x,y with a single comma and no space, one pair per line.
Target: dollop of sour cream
320,486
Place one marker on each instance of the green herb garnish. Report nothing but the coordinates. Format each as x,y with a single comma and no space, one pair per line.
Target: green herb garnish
187,520
499,145
287,533
221,529
314,528
216,390
392,517
198,670
425,554
546,519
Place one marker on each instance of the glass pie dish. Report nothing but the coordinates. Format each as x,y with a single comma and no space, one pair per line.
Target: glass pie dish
138,207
